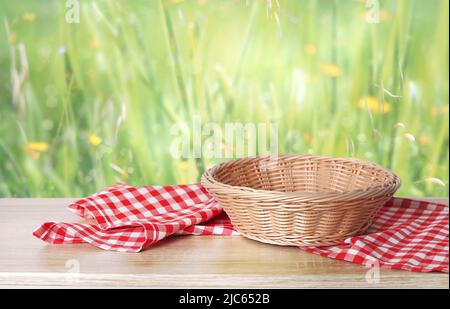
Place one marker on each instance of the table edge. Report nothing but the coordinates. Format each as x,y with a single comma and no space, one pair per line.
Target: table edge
415,280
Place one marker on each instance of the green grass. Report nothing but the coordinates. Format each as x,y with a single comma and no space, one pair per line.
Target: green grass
227,61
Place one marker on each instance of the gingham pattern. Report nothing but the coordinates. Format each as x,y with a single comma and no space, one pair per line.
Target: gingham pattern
406,234
132,218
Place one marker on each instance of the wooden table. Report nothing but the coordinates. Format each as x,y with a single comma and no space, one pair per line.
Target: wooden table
183,261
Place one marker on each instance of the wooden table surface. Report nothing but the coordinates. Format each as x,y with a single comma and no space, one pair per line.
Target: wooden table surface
182,261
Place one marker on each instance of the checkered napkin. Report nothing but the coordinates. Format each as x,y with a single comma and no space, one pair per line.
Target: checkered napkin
132,218
406,234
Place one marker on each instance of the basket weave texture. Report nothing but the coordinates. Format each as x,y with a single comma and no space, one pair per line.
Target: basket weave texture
300,200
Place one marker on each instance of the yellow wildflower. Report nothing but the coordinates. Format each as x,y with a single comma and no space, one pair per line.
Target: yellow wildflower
184,165
310,49
331,70
228,150
374,106
424,140
95,44
29,16
95,140
384,15
308,138
201,2
12,38
38,146
34,149
434,111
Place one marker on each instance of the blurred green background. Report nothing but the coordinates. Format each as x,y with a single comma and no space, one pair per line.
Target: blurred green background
83,105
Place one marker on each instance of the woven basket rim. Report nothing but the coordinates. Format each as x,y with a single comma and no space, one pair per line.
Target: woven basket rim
383,189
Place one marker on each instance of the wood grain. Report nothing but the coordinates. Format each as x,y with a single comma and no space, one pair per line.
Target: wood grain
183,261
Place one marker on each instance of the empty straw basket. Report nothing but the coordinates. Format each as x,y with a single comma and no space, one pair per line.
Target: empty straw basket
300,200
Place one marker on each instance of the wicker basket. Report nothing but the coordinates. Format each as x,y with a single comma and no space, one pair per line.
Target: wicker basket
300,200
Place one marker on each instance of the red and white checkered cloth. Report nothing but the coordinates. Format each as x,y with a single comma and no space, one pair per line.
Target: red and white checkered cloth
406,234
132,218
